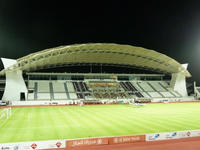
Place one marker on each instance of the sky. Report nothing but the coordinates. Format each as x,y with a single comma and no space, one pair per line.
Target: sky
169,27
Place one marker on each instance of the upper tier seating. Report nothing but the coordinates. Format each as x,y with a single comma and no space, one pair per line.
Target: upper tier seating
66,90
58,87
129,87
76,86
145,86
157,86
70,87
83,86
43,86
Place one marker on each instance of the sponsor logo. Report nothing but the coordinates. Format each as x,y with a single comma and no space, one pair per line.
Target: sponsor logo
99,141
171,135
58,144
154,137
34,146
82,142
127,139
5,148
174,134
188,133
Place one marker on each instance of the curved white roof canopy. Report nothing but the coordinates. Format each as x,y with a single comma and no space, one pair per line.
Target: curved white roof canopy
99,53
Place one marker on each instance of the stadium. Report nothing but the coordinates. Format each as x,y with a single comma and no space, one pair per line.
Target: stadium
95,91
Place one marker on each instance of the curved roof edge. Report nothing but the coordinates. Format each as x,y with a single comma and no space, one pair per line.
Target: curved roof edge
108,53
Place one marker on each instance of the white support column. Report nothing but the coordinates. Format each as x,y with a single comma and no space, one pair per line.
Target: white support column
178,82
15,84
196,91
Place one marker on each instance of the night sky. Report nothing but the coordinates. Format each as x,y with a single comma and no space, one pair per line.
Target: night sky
169,27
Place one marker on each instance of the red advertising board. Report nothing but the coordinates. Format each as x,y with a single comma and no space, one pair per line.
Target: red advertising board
104,140
87,142
127,139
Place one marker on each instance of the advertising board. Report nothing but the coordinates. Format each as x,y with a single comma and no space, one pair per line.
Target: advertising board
172,135
54,144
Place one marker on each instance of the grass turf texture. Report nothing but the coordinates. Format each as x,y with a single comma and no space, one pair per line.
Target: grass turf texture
49,123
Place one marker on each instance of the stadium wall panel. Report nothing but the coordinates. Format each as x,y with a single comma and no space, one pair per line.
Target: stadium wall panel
14,82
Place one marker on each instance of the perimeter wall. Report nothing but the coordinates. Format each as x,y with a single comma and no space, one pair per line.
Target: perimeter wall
70,143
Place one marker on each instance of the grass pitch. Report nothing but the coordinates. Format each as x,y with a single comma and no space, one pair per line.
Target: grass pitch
49,123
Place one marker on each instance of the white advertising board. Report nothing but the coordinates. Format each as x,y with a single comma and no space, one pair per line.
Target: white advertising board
172,135
35,145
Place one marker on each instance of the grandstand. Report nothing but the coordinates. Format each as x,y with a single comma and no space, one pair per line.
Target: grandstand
94,74
36,79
